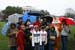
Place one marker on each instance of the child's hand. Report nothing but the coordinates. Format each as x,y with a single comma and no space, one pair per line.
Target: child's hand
15,32
45,43
52,37
30,37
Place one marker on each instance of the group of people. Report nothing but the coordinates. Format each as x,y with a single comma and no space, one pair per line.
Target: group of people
39,35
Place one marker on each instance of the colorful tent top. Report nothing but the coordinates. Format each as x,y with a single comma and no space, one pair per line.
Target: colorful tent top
5,28
26,16
14,18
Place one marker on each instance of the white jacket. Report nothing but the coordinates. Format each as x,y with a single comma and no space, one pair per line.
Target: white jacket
36,38
43,36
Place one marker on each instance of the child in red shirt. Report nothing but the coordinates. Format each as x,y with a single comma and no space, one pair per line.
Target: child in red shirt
20,38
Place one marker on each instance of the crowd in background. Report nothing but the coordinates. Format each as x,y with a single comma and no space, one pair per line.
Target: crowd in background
39,35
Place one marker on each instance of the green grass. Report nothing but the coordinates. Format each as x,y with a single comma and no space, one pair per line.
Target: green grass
71,43
4,40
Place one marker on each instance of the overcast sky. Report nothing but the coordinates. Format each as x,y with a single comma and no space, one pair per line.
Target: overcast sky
56,7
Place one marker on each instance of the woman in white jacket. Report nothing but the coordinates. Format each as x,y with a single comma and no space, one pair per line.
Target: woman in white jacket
36,40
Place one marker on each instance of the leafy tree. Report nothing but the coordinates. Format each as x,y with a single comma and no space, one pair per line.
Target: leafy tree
11,10
70,13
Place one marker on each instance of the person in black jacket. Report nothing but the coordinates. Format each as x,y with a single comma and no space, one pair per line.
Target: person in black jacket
28,44
27,31
19,22
51,38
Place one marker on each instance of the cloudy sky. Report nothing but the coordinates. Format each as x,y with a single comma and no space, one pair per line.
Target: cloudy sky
56,7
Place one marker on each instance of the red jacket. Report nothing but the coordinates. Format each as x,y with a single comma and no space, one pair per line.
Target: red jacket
20,38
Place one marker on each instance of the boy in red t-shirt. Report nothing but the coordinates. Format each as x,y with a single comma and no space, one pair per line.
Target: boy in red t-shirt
20,38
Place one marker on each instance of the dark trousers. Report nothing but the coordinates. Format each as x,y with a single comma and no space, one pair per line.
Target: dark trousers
27,46
64,40
46,46
13,48
42,47
37,46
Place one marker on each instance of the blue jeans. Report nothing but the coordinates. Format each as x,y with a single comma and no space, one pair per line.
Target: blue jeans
51,45
42,46
64,40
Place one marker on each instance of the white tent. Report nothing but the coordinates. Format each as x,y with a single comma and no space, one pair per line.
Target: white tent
14,18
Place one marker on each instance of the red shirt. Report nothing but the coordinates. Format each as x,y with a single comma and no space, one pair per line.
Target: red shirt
20,38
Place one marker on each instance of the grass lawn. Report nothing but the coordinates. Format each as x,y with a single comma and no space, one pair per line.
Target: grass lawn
71,44
4,41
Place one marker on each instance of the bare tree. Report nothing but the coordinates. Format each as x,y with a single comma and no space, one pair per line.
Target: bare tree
70,13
